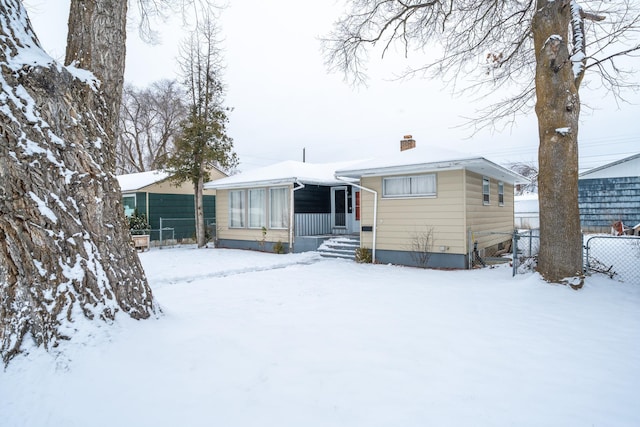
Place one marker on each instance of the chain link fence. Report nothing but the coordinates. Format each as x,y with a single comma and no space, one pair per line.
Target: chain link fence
519,248
177,230
617,257
526,247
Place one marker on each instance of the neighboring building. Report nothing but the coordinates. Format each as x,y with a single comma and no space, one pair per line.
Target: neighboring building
153,195
386,202
610,193
527,211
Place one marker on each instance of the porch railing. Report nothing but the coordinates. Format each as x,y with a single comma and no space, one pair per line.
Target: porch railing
312,224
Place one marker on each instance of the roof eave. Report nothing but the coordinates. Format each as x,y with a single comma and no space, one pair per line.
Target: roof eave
608,165
270,183
214,185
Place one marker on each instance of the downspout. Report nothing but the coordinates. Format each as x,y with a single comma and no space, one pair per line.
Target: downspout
291,213
465,215
375,213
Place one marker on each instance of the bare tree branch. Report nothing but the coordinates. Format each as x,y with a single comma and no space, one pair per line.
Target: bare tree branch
149,123
485,45
150,12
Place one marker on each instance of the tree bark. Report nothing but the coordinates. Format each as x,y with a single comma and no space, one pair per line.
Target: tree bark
558,110
96,41
65,249
198,200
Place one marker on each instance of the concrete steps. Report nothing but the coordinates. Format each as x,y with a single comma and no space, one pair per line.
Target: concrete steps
340,247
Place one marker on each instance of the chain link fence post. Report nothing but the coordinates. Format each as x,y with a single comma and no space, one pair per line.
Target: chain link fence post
514,247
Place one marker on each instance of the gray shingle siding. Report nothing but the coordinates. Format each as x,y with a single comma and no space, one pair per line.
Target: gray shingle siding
605,200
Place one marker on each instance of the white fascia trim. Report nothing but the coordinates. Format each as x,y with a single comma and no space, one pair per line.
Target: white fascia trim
431,168
270,183
411,168
252,184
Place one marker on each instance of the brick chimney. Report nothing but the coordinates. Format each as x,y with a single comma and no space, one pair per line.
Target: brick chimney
407,143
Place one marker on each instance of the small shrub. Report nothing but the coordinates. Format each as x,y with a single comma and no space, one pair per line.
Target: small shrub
363,255
422,246
138,223
263,241
278,247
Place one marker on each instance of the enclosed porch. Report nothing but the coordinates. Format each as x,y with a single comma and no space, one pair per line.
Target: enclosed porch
322,212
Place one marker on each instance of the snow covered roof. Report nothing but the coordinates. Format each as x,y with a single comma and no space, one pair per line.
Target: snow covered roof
629,166
136,181
430,158
409,161
283,173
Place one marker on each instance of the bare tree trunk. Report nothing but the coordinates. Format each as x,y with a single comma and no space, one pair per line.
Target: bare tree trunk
64,243
198,197
558,110
96,41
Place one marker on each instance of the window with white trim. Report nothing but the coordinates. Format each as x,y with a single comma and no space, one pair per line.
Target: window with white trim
257,208
486,189
236,209
278,207
409,186
501,193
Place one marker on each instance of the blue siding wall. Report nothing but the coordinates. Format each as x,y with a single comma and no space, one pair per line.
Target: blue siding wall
605,200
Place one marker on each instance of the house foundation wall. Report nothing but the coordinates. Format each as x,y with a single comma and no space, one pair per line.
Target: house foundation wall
436,260
308,243
248,244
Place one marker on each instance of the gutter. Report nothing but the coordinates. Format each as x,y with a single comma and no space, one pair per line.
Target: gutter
375,213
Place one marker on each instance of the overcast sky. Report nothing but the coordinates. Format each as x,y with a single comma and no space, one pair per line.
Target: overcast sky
285,101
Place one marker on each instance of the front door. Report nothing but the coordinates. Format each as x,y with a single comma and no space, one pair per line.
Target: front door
339,207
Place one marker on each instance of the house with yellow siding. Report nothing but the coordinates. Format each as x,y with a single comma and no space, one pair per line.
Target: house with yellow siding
391,204
431,199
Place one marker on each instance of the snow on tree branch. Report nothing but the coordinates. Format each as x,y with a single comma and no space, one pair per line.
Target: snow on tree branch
579,56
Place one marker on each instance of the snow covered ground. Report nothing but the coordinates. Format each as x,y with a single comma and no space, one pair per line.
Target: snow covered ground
255,339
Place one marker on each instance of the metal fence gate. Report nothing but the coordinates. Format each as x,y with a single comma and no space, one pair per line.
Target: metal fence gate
526,245
615,256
